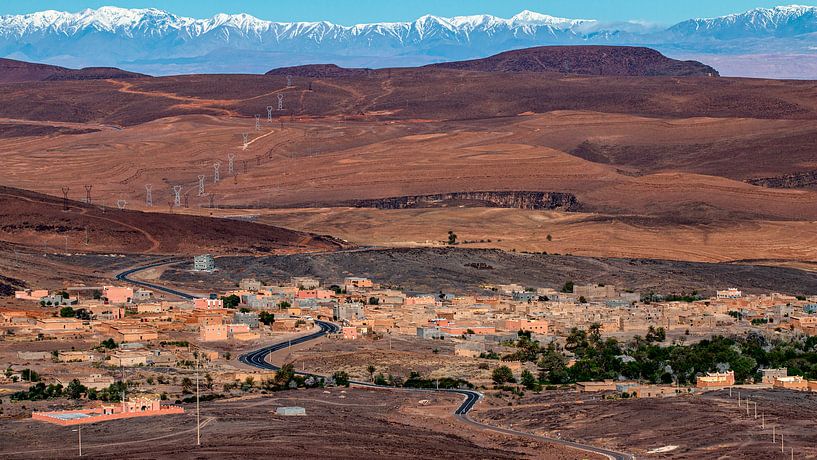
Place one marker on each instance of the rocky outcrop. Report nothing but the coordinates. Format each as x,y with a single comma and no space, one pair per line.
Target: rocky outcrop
510,199
806,179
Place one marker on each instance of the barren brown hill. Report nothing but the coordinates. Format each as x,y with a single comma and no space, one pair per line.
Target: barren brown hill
12,71
408,94
586,60
318,71
32,219
657,165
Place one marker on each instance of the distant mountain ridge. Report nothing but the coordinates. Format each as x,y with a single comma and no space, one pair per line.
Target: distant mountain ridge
157,42
12,71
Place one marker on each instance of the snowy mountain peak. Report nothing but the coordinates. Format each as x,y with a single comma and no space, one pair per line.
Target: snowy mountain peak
154,41
528,17
788,20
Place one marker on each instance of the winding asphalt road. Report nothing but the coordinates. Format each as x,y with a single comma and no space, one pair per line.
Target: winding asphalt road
258,358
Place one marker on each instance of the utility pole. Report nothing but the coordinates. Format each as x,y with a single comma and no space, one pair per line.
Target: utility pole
79,438
124,385
198,414
755,410
763,421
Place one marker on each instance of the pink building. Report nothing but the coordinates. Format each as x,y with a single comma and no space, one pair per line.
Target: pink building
536,326
29,294
350,333
116,294
208,304
321,294
222,332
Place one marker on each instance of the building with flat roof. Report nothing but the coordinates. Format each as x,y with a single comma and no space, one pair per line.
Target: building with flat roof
716,380
769,375
204,263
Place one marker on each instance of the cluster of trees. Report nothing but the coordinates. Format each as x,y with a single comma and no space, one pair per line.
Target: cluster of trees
415,380
74,390
284,379
38,392
647,359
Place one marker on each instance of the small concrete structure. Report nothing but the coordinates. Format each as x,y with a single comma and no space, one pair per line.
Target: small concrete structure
290,410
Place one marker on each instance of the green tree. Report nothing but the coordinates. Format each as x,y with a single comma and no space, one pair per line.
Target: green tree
529,381
109,344
28,375
283,305
502,374
284,375
75,390
231,301
187,385
568,287
552,366
67,312
266,317
452,237
341,378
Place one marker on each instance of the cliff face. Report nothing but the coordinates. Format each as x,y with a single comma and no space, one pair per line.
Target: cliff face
807,179
512,199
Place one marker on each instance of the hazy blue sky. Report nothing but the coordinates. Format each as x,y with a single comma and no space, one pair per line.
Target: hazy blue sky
356,11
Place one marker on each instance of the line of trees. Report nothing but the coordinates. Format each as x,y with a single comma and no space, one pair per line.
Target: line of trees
647,359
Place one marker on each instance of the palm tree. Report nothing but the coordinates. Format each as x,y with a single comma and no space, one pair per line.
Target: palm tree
371,370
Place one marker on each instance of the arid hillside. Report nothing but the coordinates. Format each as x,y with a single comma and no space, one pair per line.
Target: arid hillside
12,71
35,220
586,60
681,167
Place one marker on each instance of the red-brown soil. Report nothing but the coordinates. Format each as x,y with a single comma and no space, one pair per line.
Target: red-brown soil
657,164
345,423
692,427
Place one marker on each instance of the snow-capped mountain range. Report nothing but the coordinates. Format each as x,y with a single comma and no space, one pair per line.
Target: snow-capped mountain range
158,42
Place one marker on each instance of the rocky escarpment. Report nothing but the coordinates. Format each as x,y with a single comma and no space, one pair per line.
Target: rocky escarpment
807,179
510,199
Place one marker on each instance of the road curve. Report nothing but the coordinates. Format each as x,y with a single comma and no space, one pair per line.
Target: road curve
125,276
258,358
